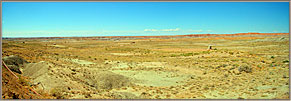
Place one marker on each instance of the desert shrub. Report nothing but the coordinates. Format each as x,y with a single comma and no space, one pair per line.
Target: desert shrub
206,52
231,53
57,92
173,55
286,61
235,65
259,66
187,54
223,65
233,60
184,54
245,68
273,65
23,81
196,53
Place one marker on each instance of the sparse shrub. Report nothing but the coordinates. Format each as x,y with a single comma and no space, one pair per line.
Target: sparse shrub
259,66
196,53
286,61
223,65
245,68
233,60
173,55
235,65
187,54
206,52
272,57
231,53
23,81
273,65
57,92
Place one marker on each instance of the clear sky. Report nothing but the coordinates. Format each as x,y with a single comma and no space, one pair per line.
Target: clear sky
53,19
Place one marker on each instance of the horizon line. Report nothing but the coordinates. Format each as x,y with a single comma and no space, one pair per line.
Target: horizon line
144,35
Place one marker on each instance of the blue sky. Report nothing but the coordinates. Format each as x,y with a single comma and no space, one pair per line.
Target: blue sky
53,19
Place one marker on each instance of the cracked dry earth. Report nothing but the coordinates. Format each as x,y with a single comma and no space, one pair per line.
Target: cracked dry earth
182,68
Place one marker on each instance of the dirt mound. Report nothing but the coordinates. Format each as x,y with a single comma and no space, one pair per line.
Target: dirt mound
14,60
106,80
14,63
34,70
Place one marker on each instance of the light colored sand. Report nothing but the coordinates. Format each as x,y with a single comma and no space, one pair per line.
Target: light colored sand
152,78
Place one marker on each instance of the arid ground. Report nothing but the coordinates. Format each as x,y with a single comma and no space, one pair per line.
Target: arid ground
242,66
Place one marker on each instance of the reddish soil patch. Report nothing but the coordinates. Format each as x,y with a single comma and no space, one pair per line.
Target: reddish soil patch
14,88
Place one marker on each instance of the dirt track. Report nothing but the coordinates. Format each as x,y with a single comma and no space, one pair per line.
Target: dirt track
182,68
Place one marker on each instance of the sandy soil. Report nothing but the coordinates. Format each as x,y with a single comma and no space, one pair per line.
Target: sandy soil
182,68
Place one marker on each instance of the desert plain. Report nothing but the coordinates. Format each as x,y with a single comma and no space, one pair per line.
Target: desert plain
239,66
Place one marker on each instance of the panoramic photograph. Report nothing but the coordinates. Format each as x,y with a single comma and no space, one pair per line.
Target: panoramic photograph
145,50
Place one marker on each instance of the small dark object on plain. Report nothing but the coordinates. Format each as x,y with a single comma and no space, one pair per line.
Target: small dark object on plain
209,47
